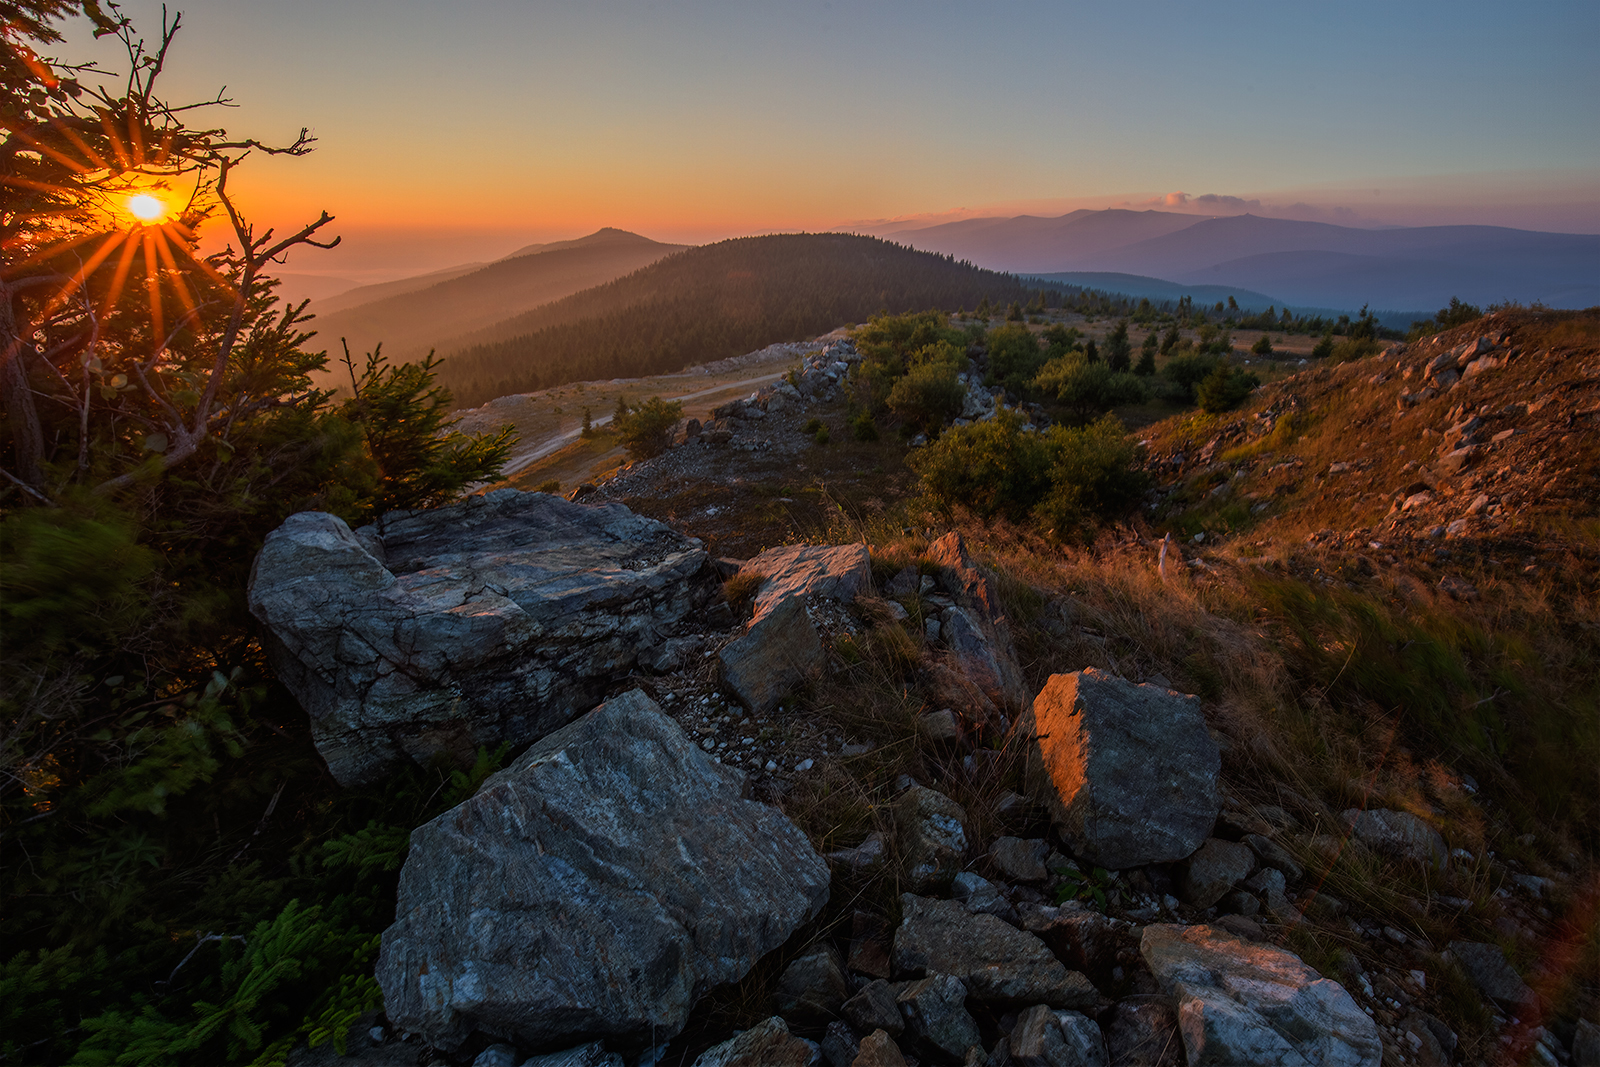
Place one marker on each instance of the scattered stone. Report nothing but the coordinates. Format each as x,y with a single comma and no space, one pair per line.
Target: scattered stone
940,727
1426,1047
1088,941
812,987
1215,868
1144,1032
780,651
839,1045
612,849
935,1008
931,837
768,1044
1493,974
864,857
874,1008
593,1054
999,963
1045,1037
1236,904
499,1055
1417,500
498,619
975,629
907,583
1241,926
980,896
1269,882
1242,1002
838,572
1129,772
869,946
879,1050
1271,854
1586,1044
1397,833
1020,859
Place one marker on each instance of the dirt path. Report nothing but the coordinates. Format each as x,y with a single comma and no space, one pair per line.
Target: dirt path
526,458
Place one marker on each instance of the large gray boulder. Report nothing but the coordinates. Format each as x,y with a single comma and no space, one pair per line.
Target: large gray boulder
1128,772
1243,1002
595,888
497,619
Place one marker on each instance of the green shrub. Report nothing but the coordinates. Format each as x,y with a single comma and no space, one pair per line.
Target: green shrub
1014,355
812,426
646,430
1064,479
862,428
990,467
822,436
1188,371
1263,345
1088,387
1225,388
930,394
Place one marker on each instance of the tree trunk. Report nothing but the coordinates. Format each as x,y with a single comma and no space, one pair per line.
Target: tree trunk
27,437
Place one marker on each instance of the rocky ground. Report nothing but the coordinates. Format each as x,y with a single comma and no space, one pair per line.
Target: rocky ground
1051,886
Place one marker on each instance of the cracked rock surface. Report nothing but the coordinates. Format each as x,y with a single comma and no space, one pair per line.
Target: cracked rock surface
500,618
596,887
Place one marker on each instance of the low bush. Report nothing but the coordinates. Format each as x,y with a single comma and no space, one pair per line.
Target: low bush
1225,388
1186,372
1088,387
646,430
1065,478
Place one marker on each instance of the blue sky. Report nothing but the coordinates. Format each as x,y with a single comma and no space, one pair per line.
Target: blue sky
470,125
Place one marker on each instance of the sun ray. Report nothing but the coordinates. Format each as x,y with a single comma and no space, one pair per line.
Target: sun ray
179,284
72,284
115,138
120,278
44,148
152,286
88,150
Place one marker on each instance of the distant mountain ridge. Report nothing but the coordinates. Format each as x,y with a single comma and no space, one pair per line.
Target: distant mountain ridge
409,318
1301,263
713,301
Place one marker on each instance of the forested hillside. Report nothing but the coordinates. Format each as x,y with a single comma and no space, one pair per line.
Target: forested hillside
716,301
413,320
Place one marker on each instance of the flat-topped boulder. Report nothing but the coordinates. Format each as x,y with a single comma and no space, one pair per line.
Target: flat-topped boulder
500,618
593,889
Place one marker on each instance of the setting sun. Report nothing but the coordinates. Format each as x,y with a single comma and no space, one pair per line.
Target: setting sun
146,208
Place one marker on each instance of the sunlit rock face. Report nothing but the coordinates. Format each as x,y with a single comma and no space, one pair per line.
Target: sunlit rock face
1128,772
595,888
500,618
1240,1002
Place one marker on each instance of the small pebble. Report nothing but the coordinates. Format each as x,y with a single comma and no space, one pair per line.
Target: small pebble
771,766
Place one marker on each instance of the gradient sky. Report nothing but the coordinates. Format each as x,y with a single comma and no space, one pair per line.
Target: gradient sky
451,132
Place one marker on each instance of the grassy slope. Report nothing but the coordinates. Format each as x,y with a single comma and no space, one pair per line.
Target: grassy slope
1335,674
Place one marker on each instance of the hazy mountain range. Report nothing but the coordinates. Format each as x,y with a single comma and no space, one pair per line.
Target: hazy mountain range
412,315
1309,264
